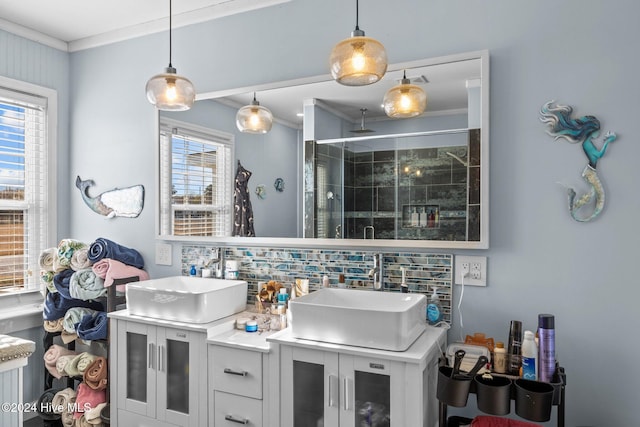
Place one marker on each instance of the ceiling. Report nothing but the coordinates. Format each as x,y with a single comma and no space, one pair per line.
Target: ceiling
80,24
74,25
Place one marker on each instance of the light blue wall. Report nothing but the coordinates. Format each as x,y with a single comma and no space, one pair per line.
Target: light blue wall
576,52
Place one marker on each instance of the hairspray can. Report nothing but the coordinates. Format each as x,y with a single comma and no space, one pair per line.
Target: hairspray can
546,347
514,347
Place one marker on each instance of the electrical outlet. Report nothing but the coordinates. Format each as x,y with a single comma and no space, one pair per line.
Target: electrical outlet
163,253
474,269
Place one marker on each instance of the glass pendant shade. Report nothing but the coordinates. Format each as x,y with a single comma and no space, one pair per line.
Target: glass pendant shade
254,118
170,92
405,100
358,60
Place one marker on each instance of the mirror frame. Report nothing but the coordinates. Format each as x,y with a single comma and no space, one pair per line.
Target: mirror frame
483,243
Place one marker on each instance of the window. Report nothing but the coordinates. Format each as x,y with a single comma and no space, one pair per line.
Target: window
195,180
27,181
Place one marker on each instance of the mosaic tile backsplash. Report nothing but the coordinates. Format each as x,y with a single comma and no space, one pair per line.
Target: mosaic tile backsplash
424,271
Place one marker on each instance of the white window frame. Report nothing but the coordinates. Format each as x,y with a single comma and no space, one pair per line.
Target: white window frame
41,206
166,209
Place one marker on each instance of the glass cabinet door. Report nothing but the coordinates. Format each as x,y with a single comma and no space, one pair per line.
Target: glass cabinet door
372,399
137,366
308,394
177,385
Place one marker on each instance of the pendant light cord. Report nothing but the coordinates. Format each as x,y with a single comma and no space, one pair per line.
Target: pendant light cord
357,27
170,66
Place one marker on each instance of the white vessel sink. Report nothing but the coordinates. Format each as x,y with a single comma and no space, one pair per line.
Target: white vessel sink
187,299
372,319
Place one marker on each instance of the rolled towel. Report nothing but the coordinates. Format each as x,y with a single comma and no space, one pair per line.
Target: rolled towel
93,415
53,325
82,421
111,269
61,364
77,366
95,376
88,399
80,259
46,278
61,282
104,248
56,306
68,419
63,401
51,357
86,285
93,327
47,258
45,407
73,316
66,248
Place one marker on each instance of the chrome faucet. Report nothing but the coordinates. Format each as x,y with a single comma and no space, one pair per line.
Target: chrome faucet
377,272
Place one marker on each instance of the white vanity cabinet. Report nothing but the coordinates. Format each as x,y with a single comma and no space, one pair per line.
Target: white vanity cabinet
336,385
239,381
156,372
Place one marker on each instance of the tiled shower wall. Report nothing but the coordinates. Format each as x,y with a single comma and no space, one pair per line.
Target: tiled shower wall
424,271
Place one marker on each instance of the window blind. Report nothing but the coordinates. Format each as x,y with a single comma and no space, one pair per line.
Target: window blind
195,180
23,187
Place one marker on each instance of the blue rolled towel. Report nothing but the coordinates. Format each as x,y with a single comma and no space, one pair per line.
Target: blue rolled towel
93,327
105,248
61,282
56,306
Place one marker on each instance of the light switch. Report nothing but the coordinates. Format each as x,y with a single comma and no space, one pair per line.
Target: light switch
163,253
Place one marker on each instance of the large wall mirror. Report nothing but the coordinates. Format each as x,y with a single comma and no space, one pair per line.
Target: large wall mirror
336,171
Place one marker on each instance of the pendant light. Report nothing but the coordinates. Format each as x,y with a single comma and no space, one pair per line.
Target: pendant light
358,60
405,100
169,91
254,118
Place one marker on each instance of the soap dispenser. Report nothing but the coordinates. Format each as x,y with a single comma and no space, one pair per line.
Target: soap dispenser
404,288
434,308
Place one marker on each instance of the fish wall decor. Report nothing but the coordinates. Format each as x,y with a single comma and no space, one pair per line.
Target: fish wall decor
124,202
585,131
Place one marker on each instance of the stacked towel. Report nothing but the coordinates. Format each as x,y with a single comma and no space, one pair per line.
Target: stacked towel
88,398
104,248
73,316
62,362
47,270
86,285
92,416
66,248
52,355
61,281
93,327
53,325
80,259
95,376
490,421
111,269
77,366
46,278
56,306
45,408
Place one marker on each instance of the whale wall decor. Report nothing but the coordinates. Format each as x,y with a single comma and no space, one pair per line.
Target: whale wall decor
125,202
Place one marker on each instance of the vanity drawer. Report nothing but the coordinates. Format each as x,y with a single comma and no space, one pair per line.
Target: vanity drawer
232,410
237,371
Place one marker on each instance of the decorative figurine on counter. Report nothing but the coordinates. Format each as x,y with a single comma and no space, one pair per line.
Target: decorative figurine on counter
582,130
126,202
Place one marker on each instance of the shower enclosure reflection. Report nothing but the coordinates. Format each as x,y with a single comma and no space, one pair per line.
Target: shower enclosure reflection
421,186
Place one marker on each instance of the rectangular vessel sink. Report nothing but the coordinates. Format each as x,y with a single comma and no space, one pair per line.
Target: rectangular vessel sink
187,299
372,319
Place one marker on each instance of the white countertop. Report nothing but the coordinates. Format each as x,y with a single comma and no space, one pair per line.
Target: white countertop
433,339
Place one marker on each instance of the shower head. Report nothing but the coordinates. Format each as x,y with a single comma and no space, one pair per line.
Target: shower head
362,128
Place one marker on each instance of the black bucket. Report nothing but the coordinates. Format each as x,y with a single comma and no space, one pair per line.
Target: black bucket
493,394
534,400
452,391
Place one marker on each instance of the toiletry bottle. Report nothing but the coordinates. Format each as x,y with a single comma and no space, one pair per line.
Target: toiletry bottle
415,218
325,281
434,308
500,358
529,357
513,349
404,288
341,282
192,271
283,297
546,347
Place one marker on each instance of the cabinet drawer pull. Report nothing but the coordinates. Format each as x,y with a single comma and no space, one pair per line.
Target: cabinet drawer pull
236,420
333,390
152,356
232,372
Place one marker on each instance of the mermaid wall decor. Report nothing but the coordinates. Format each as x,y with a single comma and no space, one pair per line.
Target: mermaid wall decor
584,130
